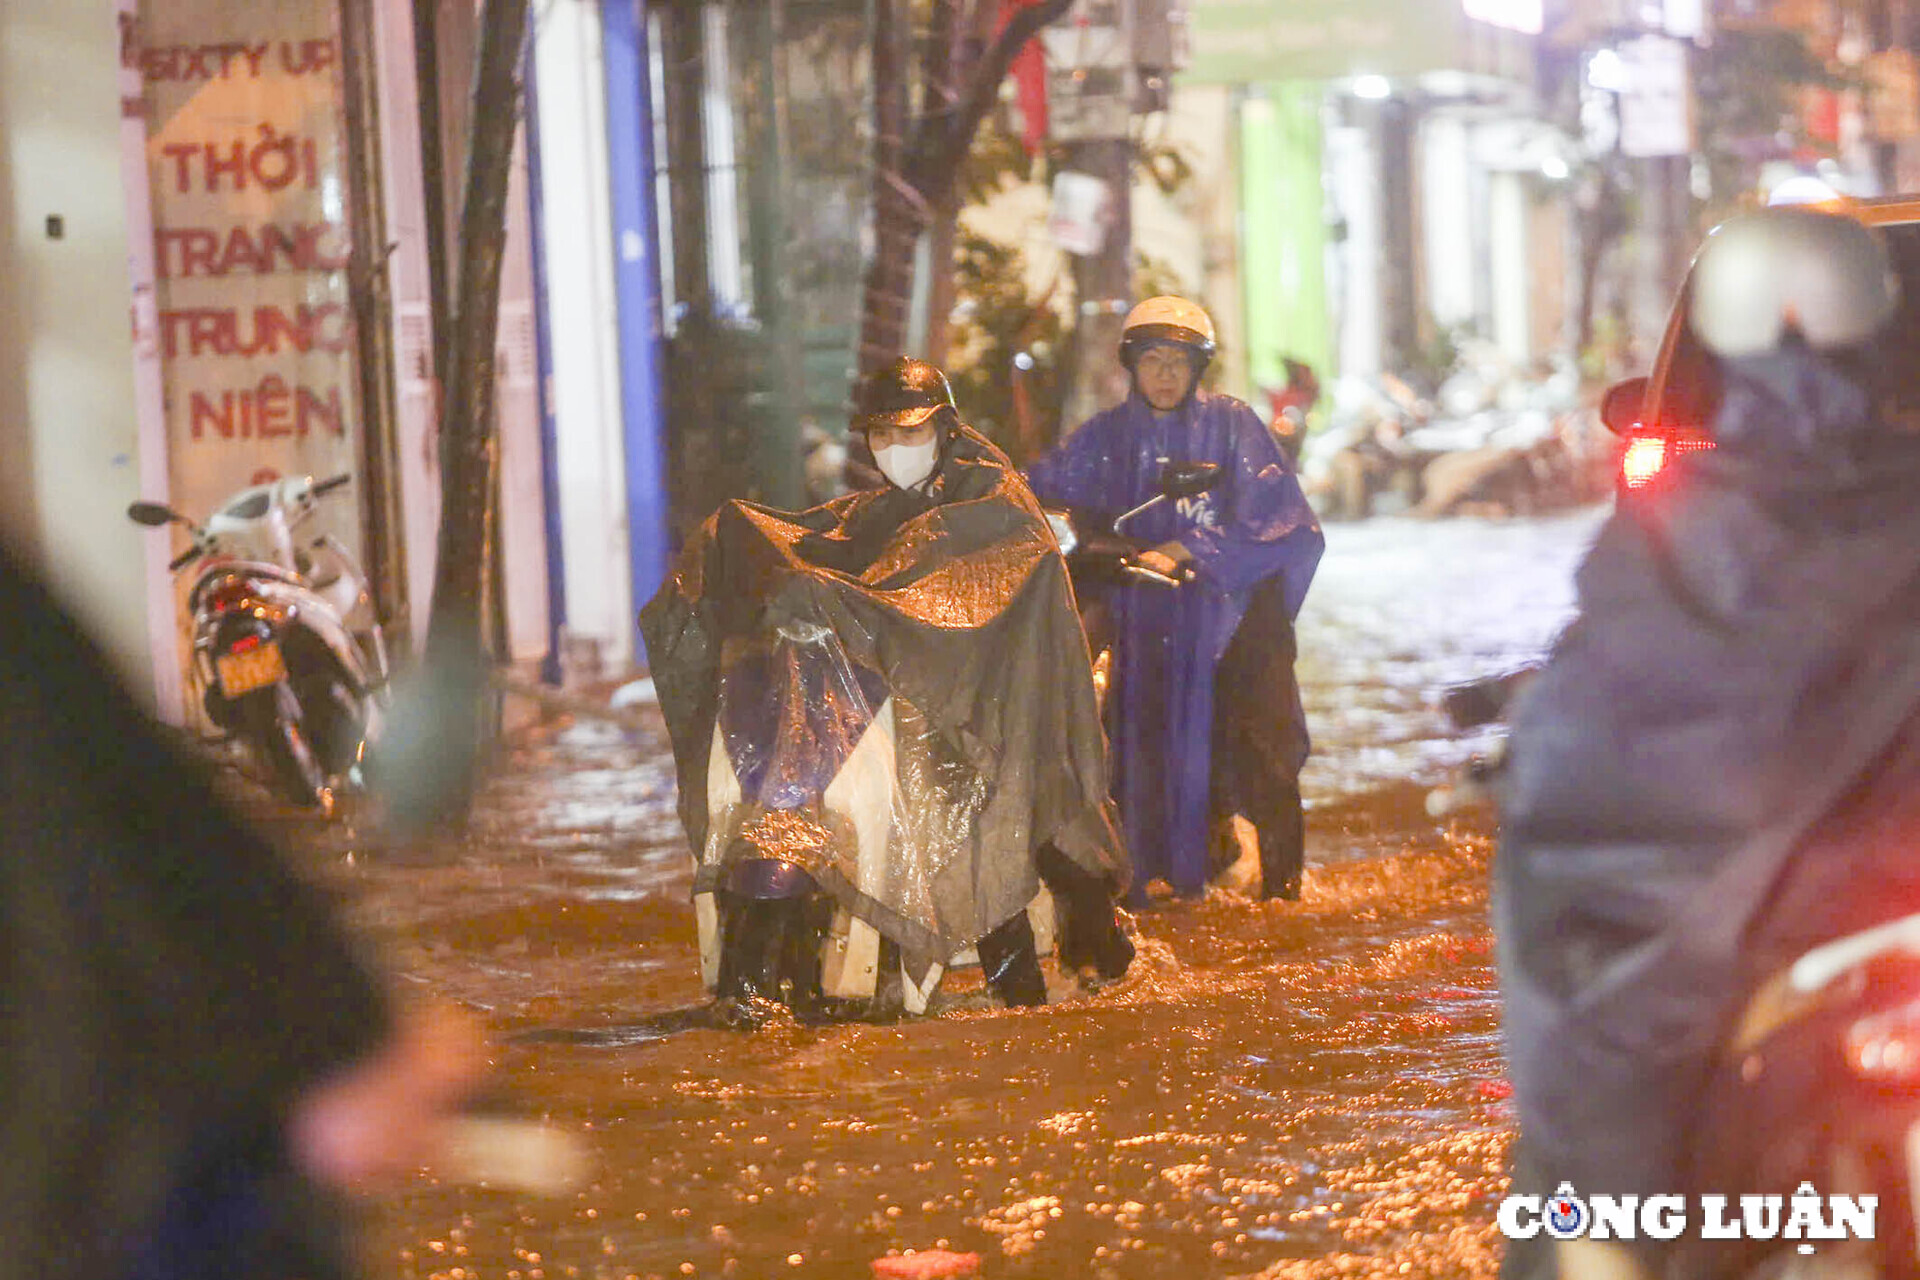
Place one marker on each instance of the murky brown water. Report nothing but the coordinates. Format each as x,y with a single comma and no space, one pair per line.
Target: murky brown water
1277,1090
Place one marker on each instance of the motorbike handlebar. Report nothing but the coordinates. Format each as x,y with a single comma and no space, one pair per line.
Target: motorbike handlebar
332,483
1180,577
184,559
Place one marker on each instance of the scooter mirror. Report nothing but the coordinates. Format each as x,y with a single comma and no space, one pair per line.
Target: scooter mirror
151,513
1623,404
1188,479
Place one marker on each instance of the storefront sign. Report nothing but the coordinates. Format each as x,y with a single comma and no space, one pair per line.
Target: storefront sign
1656,98
246,156
1081,213
1253,41
1515,15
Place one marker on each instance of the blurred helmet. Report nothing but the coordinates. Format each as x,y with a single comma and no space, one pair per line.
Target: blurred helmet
902,394
1760,273
1165,321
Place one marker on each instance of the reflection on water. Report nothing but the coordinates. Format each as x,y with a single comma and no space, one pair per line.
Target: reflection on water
1277,1090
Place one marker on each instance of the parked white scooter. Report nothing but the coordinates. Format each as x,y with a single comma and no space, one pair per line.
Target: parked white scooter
288,655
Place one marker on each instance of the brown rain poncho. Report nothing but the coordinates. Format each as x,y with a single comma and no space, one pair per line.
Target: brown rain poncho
959,602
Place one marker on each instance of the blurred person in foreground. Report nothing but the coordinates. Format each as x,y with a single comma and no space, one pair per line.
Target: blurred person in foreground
947,584
196,1061
1186,759
1719,765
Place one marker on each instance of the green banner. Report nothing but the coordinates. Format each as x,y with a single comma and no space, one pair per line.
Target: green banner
1251,41
1284,242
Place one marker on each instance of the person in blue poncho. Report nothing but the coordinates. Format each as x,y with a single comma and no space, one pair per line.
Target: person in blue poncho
1206,720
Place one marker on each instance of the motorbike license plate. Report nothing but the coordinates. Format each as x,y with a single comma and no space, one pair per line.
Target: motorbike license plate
255,669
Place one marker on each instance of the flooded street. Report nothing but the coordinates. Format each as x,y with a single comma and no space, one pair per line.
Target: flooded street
1277,1089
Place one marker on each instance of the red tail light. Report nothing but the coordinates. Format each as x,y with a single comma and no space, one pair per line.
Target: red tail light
244,644
230,594
1885,1048
1646,456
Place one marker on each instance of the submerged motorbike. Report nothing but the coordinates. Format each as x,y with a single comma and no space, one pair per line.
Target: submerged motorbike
288,656
805,796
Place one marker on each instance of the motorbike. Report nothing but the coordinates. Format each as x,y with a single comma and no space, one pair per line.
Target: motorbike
804,786
1101,556
1816,1083
288,656
809,771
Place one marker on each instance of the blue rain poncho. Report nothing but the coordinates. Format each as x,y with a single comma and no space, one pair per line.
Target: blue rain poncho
1253,527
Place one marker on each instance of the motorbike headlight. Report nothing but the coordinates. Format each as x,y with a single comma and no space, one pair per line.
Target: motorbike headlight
1063,531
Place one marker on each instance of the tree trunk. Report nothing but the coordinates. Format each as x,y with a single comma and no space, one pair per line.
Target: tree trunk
467,438
899,210
915,170
436,748
951,50
1599,219
943,287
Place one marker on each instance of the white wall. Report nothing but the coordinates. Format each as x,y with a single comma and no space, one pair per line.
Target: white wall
69,434
521,529
583,323
1446,174
1353,175
1509,220
410,288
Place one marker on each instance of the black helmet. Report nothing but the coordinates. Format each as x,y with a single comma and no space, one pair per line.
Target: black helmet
904,393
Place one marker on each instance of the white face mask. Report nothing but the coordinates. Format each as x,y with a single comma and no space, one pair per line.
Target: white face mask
907,465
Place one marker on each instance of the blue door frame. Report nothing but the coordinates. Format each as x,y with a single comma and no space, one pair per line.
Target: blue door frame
637,291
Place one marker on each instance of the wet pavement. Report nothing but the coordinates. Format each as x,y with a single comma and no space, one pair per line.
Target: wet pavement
1277,1089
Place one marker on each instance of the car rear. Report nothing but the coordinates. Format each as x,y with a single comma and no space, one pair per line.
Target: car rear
1673,413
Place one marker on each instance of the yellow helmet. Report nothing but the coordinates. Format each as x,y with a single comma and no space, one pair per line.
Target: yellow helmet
1167,320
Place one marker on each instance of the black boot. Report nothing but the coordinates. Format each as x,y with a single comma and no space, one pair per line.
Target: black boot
1281,826
1086,926
1012,964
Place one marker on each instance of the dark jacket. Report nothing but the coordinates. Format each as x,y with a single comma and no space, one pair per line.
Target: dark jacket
1745,658
167,985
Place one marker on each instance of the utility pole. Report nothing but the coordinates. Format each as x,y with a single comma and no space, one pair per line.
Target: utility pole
1108,61
1400,309
1102,283
1657,139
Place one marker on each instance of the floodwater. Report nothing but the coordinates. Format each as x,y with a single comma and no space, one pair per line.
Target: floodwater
1277,1089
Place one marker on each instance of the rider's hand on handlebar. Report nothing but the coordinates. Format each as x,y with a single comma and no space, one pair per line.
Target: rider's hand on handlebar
1166,558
